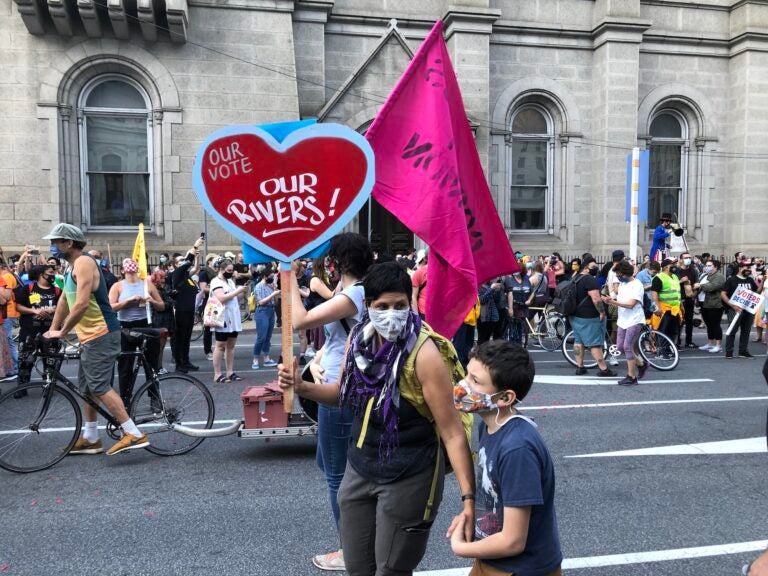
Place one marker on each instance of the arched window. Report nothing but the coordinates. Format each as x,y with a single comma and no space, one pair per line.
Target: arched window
668,169
530,170
115,153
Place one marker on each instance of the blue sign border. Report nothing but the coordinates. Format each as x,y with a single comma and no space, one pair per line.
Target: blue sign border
306,133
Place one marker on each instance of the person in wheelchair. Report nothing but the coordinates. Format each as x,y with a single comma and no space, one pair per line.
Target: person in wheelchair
36,303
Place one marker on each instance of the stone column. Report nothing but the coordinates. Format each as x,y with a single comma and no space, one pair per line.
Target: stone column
617,35
467,33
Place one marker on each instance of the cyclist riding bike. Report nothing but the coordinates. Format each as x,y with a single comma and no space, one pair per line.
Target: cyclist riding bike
85,307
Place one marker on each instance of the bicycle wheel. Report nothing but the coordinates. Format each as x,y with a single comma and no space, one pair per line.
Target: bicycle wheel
38,429
547,335
197,328
168,400
570,355
658,350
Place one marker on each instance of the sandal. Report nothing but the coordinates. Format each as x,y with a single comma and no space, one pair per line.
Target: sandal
222,379
234,377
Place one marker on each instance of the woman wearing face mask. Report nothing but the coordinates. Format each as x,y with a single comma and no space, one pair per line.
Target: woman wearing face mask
519,291
351,256
266,292
761,316
129,298
630,320
709,285
224,289
393,481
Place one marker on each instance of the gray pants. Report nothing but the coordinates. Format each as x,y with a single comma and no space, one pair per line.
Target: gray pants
383,530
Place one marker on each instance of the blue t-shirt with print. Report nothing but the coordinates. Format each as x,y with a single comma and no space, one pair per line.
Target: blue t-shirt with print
515,470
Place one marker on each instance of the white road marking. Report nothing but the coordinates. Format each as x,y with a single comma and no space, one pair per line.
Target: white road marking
740,446
525,408
636,557
593,381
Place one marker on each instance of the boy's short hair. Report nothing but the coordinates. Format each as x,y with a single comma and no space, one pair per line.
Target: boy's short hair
509,365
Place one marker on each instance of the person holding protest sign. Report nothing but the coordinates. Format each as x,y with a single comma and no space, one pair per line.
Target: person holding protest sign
351,255
394,476
741,280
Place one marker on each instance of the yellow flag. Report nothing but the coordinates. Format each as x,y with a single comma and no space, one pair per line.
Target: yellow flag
140,253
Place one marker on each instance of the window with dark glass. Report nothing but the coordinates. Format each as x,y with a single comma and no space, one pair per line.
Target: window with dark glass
116,150
529,169
666,166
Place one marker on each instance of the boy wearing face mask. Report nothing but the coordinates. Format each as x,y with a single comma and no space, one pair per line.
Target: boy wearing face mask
742,279
516,526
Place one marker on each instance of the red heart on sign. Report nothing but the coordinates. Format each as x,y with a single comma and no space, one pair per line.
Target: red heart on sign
284,201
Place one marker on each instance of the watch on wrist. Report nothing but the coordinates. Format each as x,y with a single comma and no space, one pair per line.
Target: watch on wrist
465,497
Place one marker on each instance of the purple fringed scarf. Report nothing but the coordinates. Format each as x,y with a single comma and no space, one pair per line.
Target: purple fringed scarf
373,370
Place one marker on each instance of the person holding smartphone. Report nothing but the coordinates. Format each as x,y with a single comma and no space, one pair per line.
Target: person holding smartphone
184,291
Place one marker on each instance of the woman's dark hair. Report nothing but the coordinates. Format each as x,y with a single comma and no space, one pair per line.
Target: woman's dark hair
37,271
266,272
625,268
509,365
387,277
319,271
576,261
715,263
352,253
58,262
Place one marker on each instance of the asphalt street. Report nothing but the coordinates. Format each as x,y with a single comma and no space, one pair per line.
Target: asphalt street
237,506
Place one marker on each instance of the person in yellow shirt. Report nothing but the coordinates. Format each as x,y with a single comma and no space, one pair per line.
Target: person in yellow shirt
665,291
464,339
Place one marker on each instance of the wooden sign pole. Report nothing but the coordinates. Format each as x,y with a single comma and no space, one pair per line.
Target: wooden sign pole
287,333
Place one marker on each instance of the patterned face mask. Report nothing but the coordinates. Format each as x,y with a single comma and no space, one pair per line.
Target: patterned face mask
467,400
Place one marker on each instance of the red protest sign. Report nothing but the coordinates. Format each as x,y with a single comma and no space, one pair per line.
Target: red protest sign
286,198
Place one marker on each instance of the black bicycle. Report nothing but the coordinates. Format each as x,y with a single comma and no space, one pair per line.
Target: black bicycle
39,426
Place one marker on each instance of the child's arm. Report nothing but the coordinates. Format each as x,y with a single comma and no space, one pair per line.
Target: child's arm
509,542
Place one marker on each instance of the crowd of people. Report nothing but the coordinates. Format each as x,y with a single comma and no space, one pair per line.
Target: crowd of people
394,395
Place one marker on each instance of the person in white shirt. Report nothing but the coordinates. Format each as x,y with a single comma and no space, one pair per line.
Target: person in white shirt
224,289
631,320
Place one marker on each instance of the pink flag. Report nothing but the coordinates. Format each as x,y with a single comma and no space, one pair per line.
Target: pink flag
428,174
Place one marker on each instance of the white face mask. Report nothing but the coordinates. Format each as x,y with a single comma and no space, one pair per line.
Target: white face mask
388,323
687,261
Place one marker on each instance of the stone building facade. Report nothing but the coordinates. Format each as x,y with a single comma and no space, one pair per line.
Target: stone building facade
103,106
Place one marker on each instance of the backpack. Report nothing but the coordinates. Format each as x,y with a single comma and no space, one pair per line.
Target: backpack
566,296
410,387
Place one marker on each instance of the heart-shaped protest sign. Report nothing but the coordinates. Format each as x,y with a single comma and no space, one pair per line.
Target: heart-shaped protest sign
284,198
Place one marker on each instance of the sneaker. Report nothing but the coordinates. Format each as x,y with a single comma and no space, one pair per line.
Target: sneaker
82,446
641,370
607,373
690,345
162,371
580,371
706,347
716,350
182,369
192,367
612,361
254,365
729,355
9,378
269,364
745,355
209,356
333,561
128,442
627,381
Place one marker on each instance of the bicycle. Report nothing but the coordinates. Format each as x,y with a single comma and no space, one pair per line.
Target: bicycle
40,428
656,348
547,332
